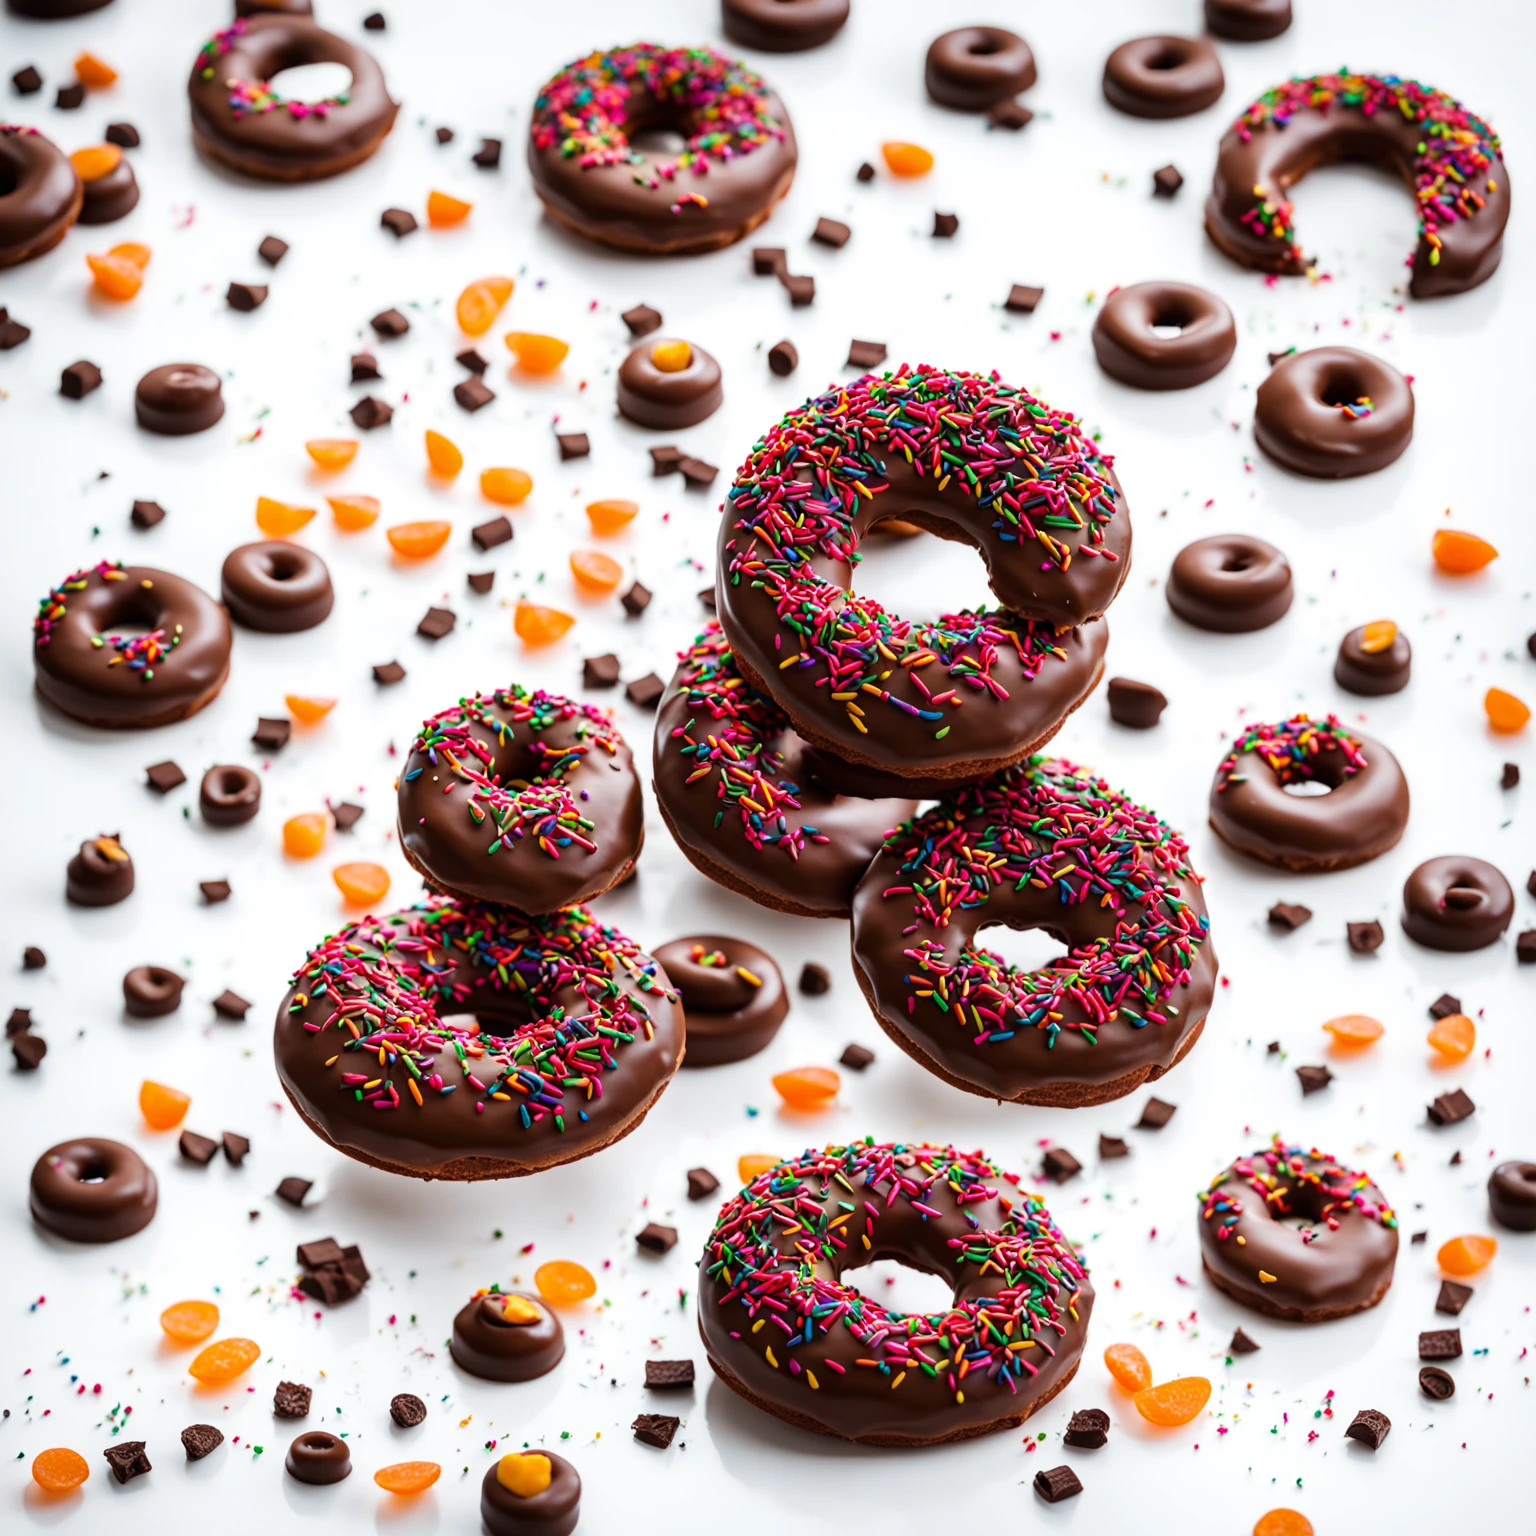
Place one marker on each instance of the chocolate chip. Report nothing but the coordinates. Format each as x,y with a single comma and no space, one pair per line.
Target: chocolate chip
164,776
1370,1427
801,290
1419,1237
1022,300
1444,1006
1137,705
12,332
346,815
26,81
655,1238
291,1400
645,692
600,671
1241,1344
1440,1344
856,1057
1273,1048
28,1052
945,225
481,581
1448,1108
398,221
1289,916
1452,1298
472,394
230,1005
407,1410
1010,114
636,600
783,358
865,172
642,320
831,232
488,535
79,379
471,359
200,1439
1364,938
1056,1484
768,260
246,296
664,460
293,1190
701,1183
197,1149
1166,182
235,1147
1155,1114
365,366
865,354
1510,776
388,672
272,250
390,324
437,622
655,1429
374,22
127,1460
488,156
1455,1159
1313,1079
573,445
697,475
214,891
815,979
1087,1429
1525,947
370,412
19,1022
1060,1165
271,735
146,514
33,959
1113,1146
664,1375
1435,1383
69,97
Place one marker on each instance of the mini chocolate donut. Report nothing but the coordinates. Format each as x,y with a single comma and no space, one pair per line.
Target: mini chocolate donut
1332,413
668,384
1373,659
514,1044
782,26
1456,903
1163,77
973,68
1448,156
230,795
170,659
40,194
741,796
738,158
100,874
1293,1234
1512,1196
529,800
279,7
1247,21
1128,348
114,192
151,991
238,120
92,1190
1231,583
276,587
318,1457
178,399
1360,817
733,996
56,10
530,1493
507,1336
1045,845
863,1371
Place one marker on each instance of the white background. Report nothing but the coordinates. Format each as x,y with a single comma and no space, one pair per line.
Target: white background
1066,204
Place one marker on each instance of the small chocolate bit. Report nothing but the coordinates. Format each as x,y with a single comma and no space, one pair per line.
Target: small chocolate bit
246,296
665,1375
481,581
655,1429
1452,1298
1419,1237
1444,1006
856,1057
945,225
708,597
1060,1165
1010,114
865,172
1087,1429
1167,181
407,1410
69,98
1289,916
471,359
1370,1427
1241,1344
164,776
271,734
814,979
12,332
769,261
26,81
443,135
19,1022
831,232
697,475
390,324
1113,1146
573,445
346,815
32,958
331,1273
1510,777
437,622
235,1147
701,1183
371,412
388,672
1313,1079
1455,1159
1022,299
801,290
1364,938
272,250
365,366
865,354
1451,1107
79,379
374,22
1273,1048
1155,1114
1435,1383
642,320
230,1005
645,692
197,1149
1057,1483
127,1460
28,1052
636,600
472,394
214,891
146,514
655,1238
291,1400
1440,1344
488,156
200,1439
664,460
398,221
1137,705
783,358
1525,947
489,534
600,671
293,1190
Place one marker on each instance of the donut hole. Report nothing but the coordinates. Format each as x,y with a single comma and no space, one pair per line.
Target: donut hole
900,1285
1025,949
1170,56
229,784
9,180
93,1170
661,139
1462,898
983,46
917,573
1321,774
311,80
1171,317
1341,388
283,565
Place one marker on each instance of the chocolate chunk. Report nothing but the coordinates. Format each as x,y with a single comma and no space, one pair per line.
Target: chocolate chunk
1440,1344
655,1238
831,232
365,366
271,735
472,394
443,135
272,250
197,1149
664,1375
374,22
1060,1165
1448,1108
1510,776
488,535
801,290
214,891
146,514
246,296
1313,1079
856,1057
32,958
783,358
1166,182
293,1190
1010,114
645,692
230,1005
1155,1114
390,324
398,221
370,412
346,815
235,1147
655,1429
600,671
26,81
1241,1344
573,445
865,172
69,98
945,225
1138,705
481,581
1056,1484
1435,1383
388,672
488,156
318,1254
127,1460
164,776
407,1410
1525,947
701,1183
12,332
1023,300
1273,1048
1419,1237
1113,1146
1452,1298
642,320
291,1400
697,475
1087,1429
768,260
1444,1006
437,622
79,379
200,1439
636,600
814,979
1455,1159
28,1052
471,359
865,354
1364,938
664,460
1369,1427
331,1273
19,1022
708,597
1289,916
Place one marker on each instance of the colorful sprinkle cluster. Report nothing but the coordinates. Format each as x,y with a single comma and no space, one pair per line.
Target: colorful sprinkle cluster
1053,826
722,108
773,1247
539,807
1456,151
1293,1181
392,993
139,653
53,607
248,97
1295,750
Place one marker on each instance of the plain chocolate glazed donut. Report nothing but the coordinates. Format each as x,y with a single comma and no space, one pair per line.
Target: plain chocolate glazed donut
276,587
1333,413
973,68
1163,77
732,993
782,26
318,1457
92,1190
1457,903
1231,583
40,194
178,399
1247,21
1128,348
1512,1196
230,795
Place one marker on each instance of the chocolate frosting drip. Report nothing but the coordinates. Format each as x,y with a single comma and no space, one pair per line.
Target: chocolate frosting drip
496,1338
1129,349
1333,413
45,195
973,68
92,1190
733,996
554,1512
1457,903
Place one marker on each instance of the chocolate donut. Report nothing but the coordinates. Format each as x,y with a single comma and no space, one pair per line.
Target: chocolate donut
238,120
171,660
532,1493
741,796
178,399
1128,348
318,1457
100,874
1231,583
963,456
514,1044
1293,1234
1332,413
230,795
1247,21
738,158
92,1190
281,7
151,992
782,26
114,193
529,800
1456,903
973,68
507,1336
1162,77
1360,817
1448,157
1512,1196
732,994
1373,659
668,384
276,587
833,1360
40,194
1044,845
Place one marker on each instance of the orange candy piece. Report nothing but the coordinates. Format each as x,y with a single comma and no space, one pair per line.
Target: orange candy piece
1453,1036
750,1164
1459,554
506,487
190,1322
416,541
480,303
353,513
278,519
1175,1402
116,276
563,1283
907,159
132,250
443,210
1467,1254
443,454
538,625
96,161
304,835
599,572
534,353
362,884
807,1087
164,1108
1283,1522
93,73
332,453
671,356
224,1361
407,1477
307,709
611,516
59,1470
1129,1367
1355,1031
1506,714
1378,635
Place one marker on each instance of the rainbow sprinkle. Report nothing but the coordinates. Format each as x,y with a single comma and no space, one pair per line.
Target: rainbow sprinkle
139,653
1292,1181
1295,749
247,97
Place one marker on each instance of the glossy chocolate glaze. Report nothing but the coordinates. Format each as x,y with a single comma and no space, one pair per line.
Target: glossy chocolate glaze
318,1457
491,1341
100,874
1512,1196
276,587
1231,583
178,399
111,197
973,68
1457,903
782,26
1370,669
862,781
45,195
151,992
78,677
1247,21
651,397
230,795
1129,349
729,1016
1163,77
554,1512
92,1190
1298,419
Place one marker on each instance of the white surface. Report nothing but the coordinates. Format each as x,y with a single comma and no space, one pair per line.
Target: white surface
1065,204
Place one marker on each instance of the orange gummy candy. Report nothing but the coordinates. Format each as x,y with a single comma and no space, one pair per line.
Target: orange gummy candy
131,250
406,1477
1354,1031
1283,1522
443,454
1175,1402
164,1108
443,210
1453,1036
307,709
304,835
563,1284
506,487
1378,635
189,1322
536,354
116,276
599,572
1467,1254
96,161
332,452
354,512
277,519
1459,554
1129,1367
671,356
1506,714
93,73
224,1361
610,516
362,884
750,1164
907,159
480,303
415,541
537,625
807,1087
59,1470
